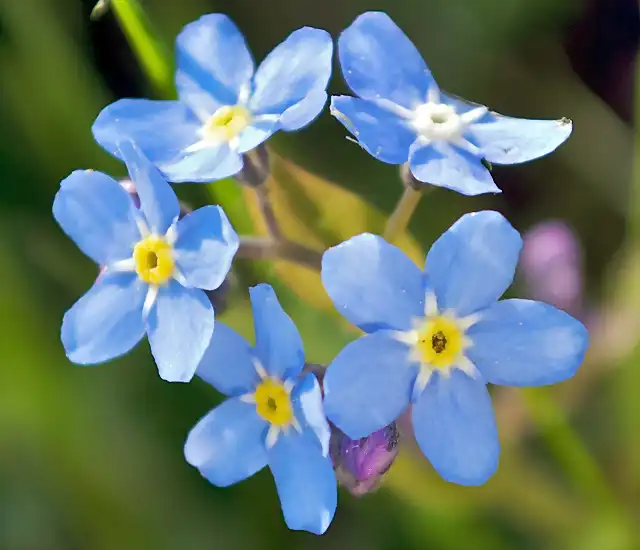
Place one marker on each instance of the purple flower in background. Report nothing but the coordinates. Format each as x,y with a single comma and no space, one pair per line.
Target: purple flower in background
551,265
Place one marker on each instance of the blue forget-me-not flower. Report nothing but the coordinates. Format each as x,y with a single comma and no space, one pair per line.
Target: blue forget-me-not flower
154,268
435,339
273,416
225,106
401,115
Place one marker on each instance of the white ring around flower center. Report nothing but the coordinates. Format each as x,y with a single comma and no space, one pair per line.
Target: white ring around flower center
437,122
448,321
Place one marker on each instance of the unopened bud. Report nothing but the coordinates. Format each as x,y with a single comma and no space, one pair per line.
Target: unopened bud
360,464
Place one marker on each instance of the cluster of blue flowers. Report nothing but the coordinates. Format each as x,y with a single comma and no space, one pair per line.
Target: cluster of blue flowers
433,338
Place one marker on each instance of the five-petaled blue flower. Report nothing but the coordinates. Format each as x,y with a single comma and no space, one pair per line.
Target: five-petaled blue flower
402,116
273,416
435,339
224,109
154,268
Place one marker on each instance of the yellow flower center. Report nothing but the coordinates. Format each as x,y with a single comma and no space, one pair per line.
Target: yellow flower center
273,403
153,257
226,123
440,342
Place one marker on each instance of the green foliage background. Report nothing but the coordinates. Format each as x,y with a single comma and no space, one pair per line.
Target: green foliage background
91,458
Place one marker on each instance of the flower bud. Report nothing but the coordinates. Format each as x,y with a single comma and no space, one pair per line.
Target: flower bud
361,464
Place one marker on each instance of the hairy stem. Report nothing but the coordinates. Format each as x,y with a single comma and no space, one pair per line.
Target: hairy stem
264,203
266,248
399,219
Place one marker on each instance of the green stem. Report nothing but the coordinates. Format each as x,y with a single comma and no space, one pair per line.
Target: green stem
399,219
267,248
228,194
154,60
264,203
569,451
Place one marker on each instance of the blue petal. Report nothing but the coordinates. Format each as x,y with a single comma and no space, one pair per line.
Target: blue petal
526,343
303,112
297,67
278,342
373,283
309,409
98,215
506,140
463,105
381,133
200,102
158,202
305,481
455,428
161,129
227,445
212,55
180,326
447,166
368,385
228,363
472,264
208,164
107,321
257,133
379,61
205,247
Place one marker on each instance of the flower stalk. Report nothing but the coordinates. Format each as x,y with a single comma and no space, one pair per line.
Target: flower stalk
149,51
406,206
267,248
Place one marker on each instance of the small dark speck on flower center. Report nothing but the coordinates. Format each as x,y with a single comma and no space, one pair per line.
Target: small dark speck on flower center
152,260
271,404
438,342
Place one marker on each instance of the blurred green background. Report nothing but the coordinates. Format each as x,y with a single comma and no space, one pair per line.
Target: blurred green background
91,458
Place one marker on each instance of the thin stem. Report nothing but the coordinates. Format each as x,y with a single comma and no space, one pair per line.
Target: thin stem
577,463
264,203
265,248
399,219
154,59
